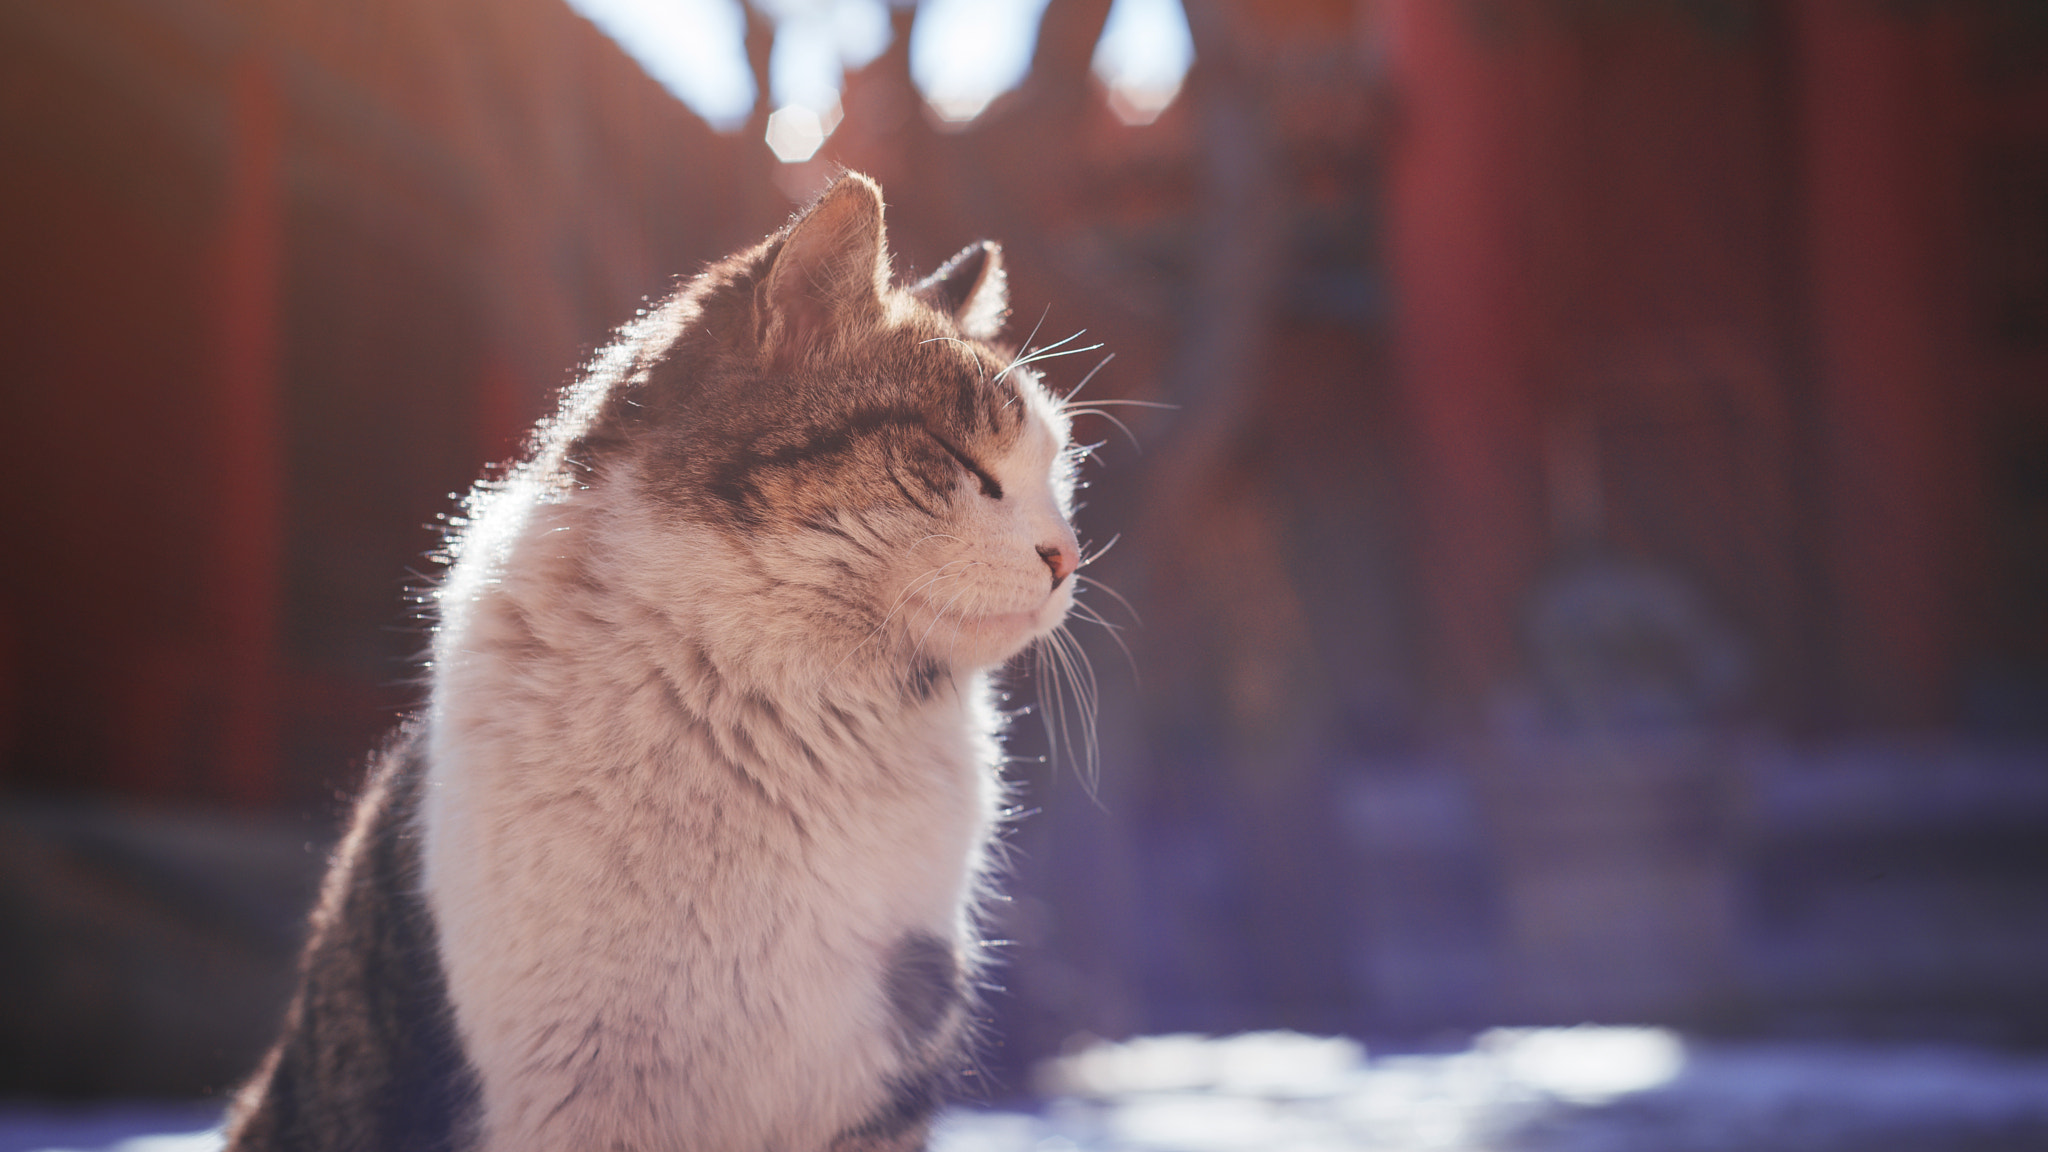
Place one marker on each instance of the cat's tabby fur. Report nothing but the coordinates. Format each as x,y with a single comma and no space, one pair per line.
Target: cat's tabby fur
685,850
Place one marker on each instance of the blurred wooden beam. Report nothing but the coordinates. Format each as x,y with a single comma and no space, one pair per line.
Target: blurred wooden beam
1455,246
248,459
1884,196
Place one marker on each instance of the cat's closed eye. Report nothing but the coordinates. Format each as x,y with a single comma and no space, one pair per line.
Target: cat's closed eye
989,487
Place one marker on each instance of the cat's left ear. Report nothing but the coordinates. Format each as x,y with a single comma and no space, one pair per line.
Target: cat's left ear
829,272
972,288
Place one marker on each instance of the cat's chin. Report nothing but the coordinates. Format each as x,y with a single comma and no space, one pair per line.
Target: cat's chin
986,641
1005,628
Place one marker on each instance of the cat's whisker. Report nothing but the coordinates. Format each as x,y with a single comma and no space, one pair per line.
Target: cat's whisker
1076,389
1072,665
940,615
1026,345
1089,614
1076,453
926,581
1091,410
1115,634
929,578
1049,352
1058,730
1093,740
959,622
1114,630
1030,351
1135,404
1052,708
1121,427
1094,687
976,352
1088,558
1053,350
1113,594
919,584
1034,331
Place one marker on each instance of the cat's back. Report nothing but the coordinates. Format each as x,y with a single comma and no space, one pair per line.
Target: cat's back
369,1057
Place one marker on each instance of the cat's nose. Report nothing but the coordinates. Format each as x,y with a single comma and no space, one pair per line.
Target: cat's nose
1060,558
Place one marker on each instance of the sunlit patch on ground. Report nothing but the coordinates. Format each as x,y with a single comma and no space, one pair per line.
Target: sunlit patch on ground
1512,1090
1544,1090
112,1127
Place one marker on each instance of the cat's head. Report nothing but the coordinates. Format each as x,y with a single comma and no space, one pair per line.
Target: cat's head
877,478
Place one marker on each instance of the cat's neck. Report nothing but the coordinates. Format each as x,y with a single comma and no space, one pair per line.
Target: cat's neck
582,579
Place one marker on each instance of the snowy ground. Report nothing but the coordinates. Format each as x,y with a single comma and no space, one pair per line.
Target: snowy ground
1540,1090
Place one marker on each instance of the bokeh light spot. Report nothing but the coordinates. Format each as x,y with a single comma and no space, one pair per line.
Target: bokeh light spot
795,133
694,48
965,53
1144,54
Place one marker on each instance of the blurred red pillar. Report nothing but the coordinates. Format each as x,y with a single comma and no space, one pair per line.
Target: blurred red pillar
1884,164
503,411
244,589
1455,204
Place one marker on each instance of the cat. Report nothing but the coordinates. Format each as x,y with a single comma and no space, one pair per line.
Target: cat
686,849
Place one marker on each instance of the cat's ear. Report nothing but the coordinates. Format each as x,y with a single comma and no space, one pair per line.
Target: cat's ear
828,273
971,288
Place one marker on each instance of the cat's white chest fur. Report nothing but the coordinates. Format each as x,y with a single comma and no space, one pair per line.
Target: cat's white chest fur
667,906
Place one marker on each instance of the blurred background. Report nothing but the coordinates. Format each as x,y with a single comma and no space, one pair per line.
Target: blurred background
1595,567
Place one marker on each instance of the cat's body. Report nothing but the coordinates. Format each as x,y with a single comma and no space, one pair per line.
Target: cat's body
686,849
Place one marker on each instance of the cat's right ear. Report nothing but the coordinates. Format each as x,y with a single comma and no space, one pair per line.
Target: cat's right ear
972,288
828,273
